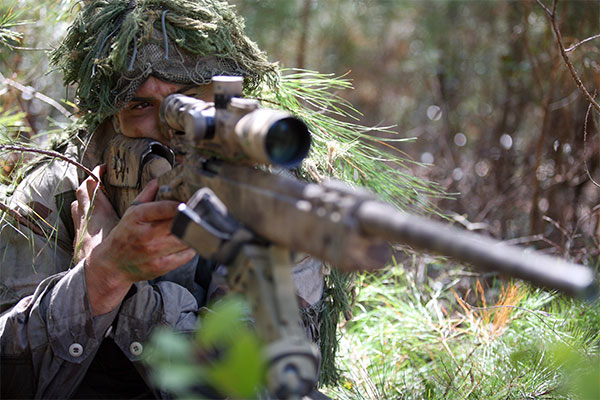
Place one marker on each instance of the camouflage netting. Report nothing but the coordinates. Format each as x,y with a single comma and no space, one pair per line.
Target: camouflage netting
114,45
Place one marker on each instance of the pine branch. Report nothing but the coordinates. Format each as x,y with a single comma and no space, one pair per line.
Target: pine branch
345,149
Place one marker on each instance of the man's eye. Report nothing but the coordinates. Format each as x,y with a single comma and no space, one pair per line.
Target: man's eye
141,106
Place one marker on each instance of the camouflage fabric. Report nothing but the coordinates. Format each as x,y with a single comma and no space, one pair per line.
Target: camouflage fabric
49,339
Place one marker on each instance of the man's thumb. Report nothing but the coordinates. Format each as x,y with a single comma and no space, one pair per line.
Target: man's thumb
148,193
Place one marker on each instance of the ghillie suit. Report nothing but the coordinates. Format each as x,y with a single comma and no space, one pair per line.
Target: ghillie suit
114,46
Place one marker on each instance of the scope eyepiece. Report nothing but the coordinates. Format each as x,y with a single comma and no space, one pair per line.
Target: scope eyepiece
187,114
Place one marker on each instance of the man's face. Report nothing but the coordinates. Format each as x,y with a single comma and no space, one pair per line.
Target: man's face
140,119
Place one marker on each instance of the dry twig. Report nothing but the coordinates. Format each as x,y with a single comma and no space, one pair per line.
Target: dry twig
38,95
585,131
576,45
51,154
552,16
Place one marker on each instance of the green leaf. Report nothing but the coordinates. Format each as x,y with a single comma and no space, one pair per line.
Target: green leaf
221,324
167,344
177,378
241,370
233,361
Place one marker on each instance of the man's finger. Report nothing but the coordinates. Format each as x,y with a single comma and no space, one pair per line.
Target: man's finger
93,189
75,212
82,196
154,211
99,170
161,227
176,260
169,244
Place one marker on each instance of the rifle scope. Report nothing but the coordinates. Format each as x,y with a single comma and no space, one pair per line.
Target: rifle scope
234,127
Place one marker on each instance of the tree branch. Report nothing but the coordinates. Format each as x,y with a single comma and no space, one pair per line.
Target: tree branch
563,53
576,45
544,7
585,125
37,95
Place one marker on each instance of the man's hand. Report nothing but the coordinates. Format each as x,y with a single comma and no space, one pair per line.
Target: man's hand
139,247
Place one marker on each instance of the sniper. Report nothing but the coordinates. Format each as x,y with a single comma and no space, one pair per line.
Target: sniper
82,292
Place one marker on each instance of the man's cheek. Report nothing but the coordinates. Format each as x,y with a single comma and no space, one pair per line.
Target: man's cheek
148,130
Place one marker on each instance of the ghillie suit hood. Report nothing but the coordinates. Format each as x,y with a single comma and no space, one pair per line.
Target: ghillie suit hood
113,46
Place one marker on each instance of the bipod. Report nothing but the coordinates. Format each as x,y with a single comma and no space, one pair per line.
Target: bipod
262,273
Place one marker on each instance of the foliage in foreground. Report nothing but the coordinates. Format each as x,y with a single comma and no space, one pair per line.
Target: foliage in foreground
224,354
410,341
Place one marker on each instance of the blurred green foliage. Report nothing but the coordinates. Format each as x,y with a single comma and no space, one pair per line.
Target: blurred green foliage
225,354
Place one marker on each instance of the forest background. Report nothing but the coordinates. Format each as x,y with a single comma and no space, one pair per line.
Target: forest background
497,122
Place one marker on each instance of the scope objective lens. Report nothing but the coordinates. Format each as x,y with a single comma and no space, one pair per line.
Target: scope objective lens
287,142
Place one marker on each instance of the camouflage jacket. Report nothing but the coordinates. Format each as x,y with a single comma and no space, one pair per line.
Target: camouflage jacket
48,336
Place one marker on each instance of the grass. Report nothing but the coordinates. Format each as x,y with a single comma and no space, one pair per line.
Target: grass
427,341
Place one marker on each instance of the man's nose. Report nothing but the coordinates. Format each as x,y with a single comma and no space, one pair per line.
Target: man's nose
165,130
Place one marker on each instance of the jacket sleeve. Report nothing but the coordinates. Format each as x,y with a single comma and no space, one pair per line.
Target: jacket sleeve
43,200
48,340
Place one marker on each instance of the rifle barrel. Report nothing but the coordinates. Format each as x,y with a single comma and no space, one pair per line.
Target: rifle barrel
385,221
